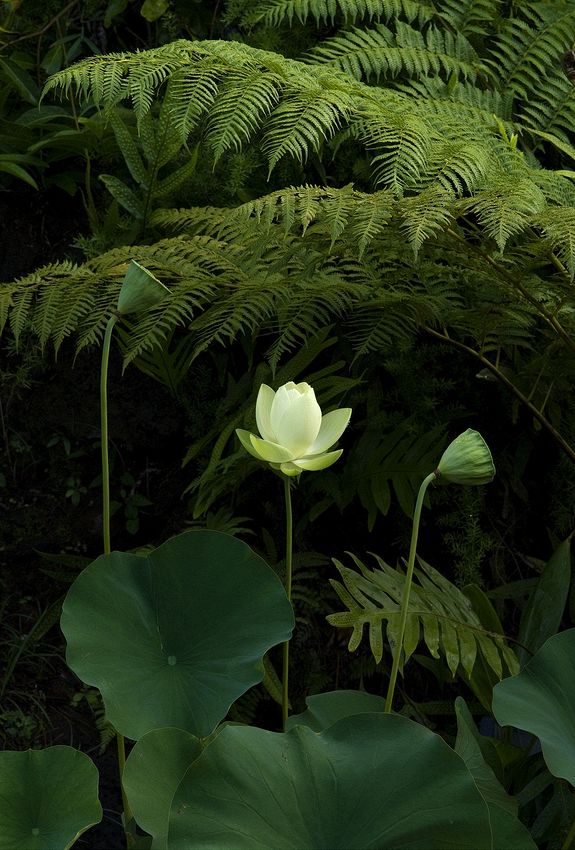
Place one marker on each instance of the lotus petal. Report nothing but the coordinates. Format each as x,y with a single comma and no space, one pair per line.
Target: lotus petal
332,427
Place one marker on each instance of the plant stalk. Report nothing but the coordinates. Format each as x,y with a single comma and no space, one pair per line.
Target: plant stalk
104,434
406,591
106,529
288,580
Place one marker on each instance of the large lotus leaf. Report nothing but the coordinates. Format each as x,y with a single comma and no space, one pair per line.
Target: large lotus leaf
165,755
324,710
173,638
508,831
47,798
540,700
369,781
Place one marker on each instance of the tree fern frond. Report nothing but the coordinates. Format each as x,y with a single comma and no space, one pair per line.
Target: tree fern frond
528,47
378,52
439,613
463,102
272,13
193,92
471,17
402,144
312,307
558,225
303,121
426,215
508,207
244,100
552,109
460,167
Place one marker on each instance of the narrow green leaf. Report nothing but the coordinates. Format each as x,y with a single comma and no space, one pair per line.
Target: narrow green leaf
542,614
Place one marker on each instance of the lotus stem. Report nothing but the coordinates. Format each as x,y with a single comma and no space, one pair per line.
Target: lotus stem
406,591
106,528
288,580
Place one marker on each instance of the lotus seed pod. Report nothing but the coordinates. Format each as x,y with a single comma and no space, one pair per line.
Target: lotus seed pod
140,290
467,460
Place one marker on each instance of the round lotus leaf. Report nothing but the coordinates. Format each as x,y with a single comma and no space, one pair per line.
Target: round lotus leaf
47,798
175,637
540,700
368,781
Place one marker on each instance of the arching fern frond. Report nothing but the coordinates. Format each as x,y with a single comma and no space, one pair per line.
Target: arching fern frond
558,225
439,613
244,100
379,52
303,122
469,17
553,107
402,143
527,48
508,207
425,215
272,13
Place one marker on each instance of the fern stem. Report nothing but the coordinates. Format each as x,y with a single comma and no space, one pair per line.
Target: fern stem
288,581
407,590
106,528
564,445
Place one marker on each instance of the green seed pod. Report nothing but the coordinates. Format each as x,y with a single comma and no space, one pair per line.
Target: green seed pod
467,460
140,290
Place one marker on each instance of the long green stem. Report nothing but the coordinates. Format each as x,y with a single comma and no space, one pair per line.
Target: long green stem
285,676
104,434
106,527
406,591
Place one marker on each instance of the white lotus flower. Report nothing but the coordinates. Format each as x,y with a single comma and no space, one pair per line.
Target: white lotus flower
294,434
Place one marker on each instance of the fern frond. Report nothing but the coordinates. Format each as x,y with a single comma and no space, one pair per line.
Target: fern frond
508,208
273,13
304,121
402,144
439,613
558,225
379,52
527,48
462,103
311,307
553,107
244,100
471,17
384,465
426,215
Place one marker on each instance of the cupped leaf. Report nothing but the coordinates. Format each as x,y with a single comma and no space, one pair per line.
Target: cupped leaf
47,798
540,700
173,638
323,710
369,781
